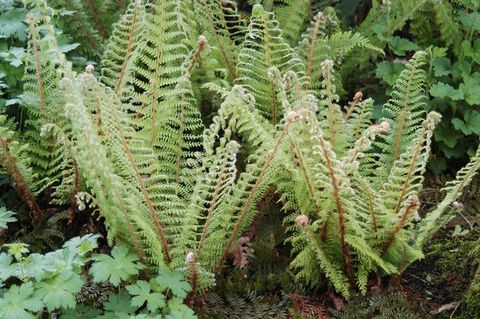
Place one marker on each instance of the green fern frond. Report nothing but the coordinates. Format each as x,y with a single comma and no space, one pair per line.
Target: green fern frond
406,175
293,16
78,20
320,44
223,26
42,97
453,189
15,161
450,30
404,112
264,48
126,36
163,100
117,204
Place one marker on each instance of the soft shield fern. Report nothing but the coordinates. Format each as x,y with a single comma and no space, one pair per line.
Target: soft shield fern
264,48
181,187
351,221
16,162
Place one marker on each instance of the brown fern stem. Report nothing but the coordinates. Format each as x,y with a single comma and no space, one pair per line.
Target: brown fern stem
178,160
202,42
411,170
155,108
9,162
357,98
299,156
409,209
128,54
151,208
338,203
193,282
372,211
76,189
341,213
251,197
96,18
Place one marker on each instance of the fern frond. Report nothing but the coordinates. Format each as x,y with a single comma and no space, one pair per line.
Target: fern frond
293,16
404,112
406,176
41,96
80,22
126,36
223,26
450,30
358,119
111,195
319,45
331,113
16,163
164,106
263,49
453,189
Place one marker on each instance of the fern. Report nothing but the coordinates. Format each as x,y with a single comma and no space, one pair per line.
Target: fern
118,56
133,145
110,193
85,20
321,43
163,102
391,16
15,161
264,48
352,221
41,96
453,189
222,24
292,17
404,112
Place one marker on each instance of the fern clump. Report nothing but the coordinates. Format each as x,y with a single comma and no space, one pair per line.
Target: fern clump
181,187
358,198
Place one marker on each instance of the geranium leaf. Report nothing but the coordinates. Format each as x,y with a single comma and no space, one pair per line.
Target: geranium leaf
19,303
120,266
142,293
59,291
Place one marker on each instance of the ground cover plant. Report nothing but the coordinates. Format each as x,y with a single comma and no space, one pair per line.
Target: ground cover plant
155,160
